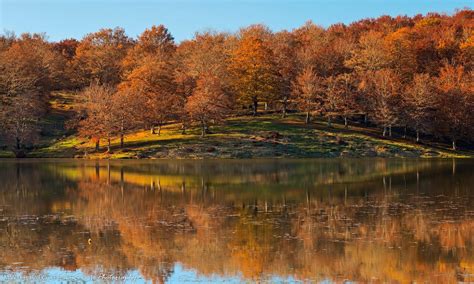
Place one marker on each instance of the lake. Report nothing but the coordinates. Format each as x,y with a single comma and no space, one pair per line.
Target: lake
235,221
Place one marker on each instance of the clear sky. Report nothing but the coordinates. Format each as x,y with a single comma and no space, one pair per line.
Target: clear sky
74,18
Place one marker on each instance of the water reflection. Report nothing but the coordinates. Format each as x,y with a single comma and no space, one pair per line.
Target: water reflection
284,220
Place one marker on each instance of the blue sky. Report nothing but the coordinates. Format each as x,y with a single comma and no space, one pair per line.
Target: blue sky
74,18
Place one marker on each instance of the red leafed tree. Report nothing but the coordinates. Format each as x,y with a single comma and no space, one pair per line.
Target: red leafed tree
208,103
385,87
148,71
97,117
255,77
29,70
341,97
309,92
99,57
284,46
456,102
420,103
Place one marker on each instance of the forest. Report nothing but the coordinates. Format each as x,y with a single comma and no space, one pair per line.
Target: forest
413,75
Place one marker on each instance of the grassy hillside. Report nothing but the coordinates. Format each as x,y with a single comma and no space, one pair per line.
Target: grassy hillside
241,137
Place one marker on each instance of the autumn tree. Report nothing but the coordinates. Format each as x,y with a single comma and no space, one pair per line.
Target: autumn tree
369,54
341,97
255,78
99,57
401,55
385,87
153,90
467,52
154,43
19,118
97,117
209,102
29,70
284,47
66,50
420,103
123,108
149,78
308,92
456,102
312,44
206,55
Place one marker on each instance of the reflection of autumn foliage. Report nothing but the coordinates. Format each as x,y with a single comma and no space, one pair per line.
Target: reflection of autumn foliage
392,228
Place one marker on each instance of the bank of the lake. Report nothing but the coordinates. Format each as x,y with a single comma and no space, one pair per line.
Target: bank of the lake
264,136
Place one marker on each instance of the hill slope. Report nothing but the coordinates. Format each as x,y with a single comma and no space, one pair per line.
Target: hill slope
241,137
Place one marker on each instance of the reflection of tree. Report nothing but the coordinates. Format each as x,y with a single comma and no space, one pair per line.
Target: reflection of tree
392,227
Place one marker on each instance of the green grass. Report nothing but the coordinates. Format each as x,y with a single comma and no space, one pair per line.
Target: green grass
248,137
239,137
6,154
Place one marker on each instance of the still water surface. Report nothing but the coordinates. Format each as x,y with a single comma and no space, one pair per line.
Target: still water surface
237,221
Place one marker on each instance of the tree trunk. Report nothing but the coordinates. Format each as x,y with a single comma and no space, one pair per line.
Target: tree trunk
97,144
308,117
283,113
329,122
183,128
266,106
390,131
405,132
108,144
384,131
18,143
159,129
346,124
366,119
152,129
121,135
454,145
203,129
417,136
254,106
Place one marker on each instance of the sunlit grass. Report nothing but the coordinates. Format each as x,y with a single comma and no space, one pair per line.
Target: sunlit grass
6,154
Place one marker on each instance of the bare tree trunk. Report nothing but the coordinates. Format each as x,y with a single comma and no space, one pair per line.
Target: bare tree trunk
183,128
366,119
417,136
454,145
390,130
108,144
121,135
346,124
152,129
405,132
254,106
384,131
97,144
18,143
159,129
329,122
203,128
285,102
308,117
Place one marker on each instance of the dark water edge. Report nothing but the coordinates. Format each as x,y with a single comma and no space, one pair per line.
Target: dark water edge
274,220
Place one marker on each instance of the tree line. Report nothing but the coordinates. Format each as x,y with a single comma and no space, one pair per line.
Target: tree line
414,74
